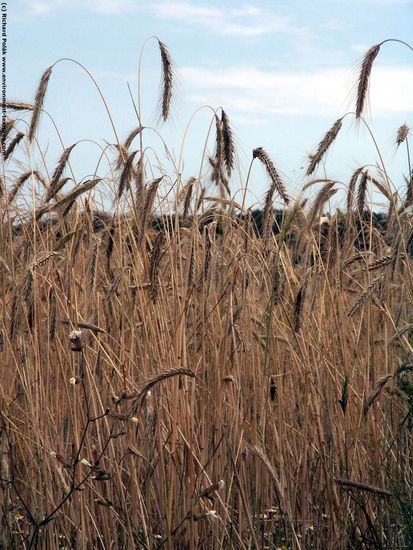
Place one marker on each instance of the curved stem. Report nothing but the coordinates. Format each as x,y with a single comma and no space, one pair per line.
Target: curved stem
97,87
187,130
397,40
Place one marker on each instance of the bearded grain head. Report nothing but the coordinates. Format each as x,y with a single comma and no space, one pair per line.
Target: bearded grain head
324,146
167,81
38,103
364,78
228,143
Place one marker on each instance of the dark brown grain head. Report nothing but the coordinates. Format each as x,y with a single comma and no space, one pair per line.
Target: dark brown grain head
277,182
228,143
324,146
13,144
167,81
155,259
7,127
299,305
218,159
18,184
59,169
126,175
364,78
362,191
38,103
19,106
123,149
187,195
352,188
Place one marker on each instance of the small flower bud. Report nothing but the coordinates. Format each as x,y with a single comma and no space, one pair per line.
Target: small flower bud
96,457
76,340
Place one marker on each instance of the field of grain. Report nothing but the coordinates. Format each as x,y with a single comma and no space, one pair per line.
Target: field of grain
203,379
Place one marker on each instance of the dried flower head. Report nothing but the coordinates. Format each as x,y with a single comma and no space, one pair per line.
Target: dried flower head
76,340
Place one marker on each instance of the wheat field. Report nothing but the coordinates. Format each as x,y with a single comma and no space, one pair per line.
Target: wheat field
208,378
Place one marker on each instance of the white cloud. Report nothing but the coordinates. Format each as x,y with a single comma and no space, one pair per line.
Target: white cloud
104,7
246,90
246,11
248,20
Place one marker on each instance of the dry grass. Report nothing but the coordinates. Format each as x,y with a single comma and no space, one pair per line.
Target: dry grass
198,386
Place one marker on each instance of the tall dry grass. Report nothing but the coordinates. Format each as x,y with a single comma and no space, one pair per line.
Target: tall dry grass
197,385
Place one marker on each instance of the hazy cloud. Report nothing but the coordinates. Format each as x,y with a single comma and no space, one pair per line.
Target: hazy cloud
247,20
325,92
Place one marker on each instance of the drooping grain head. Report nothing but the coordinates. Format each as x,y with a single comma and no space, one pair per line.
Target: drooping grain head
362,191
228,142
126,175
352,188
279,185
167,81
187,195
324,146
59,169
19,106
7,127
38,103
364,78
13,144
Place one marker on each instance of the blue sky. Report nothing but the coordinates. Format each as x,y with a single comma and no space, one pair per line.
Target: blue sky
284,71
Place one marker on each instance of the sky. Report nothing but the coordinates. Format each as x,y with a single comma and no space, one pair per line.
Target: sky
284,71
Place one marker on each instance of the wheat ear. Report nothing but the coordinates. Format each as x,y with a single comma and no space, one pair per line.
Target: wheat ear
364,78
38,103
324,146
167,81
